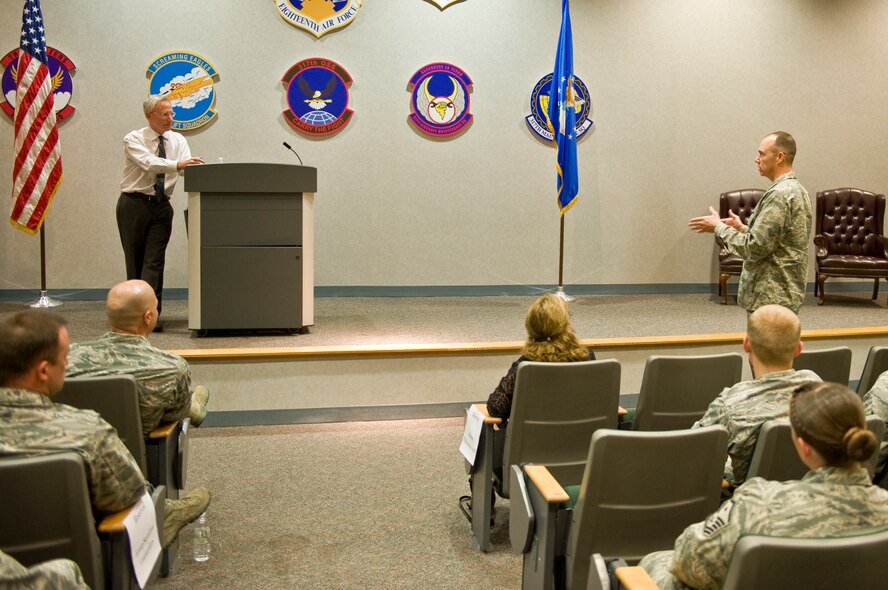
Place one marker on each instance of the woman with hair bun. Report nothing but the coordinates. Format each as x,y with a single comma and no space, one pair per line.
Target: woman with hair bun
836,497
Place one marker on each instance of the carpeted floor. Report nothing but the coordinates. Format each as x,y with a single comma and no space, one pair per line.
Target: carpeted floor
434,320
356,505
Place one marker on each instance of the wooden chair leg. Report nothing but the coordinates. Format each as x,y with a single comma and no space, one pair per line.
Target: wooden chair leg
723,287
816,283
820,280
875,289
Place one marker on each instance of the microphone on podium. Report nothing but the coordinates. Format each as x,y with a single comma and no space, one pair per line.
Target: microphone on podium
287,145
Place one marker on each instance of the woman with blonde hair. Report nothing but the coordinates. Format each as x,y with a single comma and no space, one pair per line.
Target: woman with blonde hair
550,339
835,498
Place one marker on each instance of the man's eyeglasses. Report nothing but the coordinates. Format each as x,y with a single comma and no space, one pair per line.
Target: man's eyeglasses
168,115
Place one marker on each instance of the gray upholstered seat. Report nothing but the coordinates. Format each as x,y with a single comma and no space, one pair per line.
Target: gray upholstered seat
830,364
639,491
46,514
556,407
677,390
775,456
162,457
876,364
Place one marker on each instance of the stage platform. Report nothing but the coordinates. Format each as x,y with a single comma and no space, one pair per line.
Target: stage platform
370,358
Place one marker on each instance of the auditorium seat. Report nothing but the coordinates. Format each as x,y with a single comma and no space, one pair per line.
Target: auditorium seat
849,239
830,364
776,458
639,491
47,514
162,456
741,202
677,390
556,407
876,364
780,563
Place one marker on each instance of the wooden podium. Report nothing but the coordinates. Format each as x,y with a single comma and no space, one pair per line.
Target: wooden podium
250,246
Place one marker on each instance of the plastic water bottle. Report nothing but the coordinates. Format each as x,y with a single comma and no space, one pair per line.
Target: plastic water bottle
201,544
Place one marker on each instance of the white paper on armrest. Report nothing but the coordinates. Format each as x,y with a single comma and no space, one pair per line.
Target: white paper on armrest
472,434
141,526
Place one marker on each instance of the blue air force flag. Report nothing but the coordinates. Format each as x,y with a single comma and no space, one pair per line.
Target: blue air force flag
562,115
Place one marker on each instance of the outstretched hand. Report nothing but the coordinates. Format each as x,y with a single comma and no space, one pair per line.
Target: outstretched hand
705,224
734,221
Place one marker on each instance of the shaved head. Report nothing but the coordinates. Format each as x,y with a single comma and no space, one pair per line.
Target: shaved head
127,306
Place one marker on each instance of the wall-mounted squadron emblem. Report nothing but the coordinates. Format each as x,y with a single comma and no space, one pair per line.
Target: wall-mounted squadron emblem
317,94
60,67
439,99
186,80
538,120
318,16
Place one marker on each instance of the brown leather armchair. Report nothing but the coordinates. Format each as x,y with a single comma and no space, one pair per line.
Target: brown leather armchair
849,240
741,202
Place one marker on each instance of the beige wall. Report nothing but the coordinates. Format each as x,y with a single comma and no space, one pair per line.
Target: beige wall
682,92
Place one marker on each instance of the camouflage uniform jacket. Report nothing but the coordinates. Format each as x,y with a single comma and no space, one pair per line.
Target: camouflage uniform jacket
774,247
57,574
30,424
827,502
875,402
744,407
164,379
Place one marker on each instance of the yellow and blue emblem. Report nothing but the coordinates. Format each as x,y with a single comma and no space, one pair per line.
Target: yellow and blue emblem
538,120
187,81
318,16
317,94
60,68
439,99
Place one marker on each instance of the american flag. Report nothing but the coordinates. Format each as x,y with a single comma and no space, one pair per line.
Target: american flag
37,169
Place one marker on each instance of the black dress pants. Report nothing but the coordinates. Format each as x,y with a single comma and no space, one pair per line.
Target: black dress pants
145,225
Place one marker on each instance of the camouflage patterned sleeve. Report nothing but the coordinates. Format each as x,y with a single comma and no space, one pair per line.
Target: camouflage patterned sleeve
115,479
703,551
762,237
876,399
657,566
716,414
57,574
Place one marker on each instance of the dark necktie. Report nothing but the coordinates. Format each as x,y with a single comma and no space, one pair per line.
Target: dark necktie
159,182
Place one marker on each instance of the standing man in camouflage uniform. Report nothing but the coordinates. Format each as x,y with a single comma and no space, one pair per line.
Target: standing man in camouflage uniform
33,356
163,378
774,246
834,498
772,341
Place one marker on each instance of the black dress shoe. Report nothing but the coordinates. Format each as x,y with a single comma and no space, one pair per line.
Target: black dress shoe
158,327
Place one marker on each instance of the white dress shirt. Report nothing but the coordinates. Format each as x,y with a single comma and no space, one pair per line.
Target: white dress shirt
143,164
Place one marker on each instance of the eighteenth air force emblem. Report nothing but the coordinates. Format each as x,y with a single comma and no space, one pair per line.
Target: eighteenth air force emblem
186,80
317,96
318,16
538,120
60,68
439,99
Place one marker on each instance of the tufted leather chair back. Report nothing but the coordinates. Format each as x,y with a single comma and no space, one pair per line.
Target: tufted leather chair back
741,202
850,219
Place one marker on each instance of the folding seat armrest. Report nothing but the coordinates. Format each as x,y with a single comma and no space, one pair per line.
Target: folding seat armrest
163,430
488,419
635,578
545,482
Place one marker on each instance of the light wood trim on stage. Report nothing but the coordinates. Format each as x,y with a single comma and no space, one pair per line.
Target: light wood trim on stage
163,430
294,352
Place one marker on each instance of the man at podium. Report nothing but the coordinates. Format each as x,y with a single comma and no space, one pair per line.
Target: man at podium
155,156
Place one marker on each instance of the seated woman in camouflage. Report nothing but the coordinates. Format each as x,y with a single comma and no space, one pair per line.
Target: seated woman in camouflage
835,497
